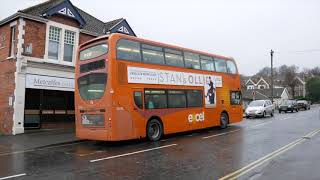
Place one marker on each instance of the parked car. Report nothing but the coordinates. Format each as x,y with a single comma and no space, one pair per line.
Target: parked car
303,104
288,105
259,108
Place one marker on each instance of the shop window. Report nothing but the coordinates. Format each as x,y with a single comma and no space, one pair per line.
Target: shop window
152,54
194,98
176,99
128,50
174,58
155,99
220,65
191,60
207,63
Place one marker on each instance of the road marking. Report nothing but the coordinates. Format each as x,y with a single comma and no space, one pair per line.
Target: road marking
13,176
221,134
261,124
132,153
268,157
37,149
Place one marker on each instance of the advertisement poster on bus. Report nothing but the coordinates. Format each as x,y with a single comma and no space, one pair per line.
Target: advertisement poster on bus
210,92
155,76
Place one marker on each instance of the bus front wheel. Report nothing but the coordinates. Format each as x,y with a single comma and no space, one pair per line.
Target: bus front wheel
154,130
224,120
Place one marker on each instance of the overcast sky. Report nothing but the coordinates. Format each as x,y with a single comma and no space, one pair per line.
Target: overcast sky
245,30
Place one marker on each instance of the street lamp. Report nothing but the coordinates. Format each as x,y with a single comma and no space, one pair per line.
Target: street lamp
271,54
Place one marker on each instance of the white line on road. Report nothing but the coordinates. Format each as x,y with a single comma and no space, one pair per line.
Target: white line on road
13,176
221,134
259,162
132,153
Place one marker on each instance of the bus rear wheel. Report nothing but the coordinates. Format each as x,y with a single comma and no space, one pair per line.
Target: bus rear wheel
224,120
154,130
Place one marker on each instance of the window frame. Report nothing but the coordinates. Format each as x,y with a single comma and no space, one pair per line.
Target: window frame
13,40
240,99
204,58
139,45
145,94
202,99
225,62
60,59
184,94
150,49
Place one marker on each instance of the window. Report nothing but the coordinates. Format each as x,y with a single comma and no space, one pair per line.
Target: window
235,97
54,41
191,60
174,58
138,99
12,41
128,50
176,99
69,41
92,86
93,52
207,63
2,40
220,65
231,67
155,99
194,98
152,54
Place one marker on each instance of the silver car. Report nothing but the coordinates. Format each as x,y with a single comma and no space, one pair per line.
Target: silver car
259,108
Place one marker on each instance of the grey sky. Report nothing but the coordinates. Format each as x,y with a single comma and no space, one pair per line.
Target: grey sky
245,30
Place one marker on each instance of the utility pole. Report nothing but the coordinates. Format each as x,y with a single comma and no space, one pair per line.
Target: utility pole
271,54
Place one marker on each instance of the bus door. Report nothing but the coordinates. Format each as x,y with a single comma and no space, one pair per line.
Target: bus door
137,111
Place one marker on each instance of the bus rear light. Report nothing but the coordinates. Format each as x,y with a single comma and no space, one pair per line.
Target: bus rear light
92,120
111,91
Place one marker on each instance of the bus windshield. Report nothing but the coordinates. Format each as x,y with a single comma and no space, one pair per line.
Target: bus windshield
92,86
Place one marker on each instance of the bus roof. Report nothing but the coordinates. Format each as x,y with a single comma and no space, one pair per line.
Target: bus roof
119,35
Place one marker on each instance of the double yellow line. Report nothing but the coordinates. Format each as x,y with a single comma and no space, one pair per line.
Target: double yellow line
268,157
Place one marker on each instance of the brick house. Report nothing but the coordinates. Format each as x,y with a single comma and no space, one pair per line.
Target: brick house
37,56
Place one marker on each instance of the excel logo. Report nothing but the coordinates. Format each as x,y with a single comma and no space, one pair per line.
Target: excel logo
196,117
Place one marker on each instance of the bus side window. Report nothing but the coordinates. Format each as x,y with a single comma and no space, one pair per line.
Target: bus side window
138,99
235,97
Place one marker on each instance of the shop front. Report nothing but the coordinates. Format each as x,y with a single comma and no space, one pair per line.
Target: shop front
49,102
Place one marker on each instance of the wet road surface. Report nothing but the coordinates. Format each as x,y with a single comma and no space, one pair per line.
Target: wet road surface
282,147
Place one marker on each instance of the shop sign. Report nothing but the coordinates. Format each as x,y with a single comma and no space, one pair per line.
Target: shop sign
49,82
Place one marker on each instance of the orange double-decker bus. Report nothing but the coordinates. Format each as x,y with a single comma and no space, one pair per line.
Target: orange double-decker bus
130,88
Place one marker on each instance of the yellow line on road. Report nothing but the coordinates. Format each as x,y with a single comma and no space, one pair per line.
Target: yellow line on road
268,157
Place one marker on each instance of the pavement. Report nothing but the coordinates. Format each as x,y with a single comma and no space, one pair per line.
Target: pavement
33,139
285,147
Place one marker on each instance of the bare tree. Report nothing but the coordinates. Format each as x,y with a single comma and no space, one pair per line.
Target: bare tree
290,74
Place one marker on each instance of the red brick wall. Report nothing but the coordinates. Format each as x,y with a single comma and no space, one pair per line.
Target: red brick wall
84,38
65,20
35,33
7,84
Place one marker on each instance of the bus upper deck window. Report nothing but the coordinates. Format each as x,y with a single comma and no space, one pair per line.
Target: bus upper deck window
221,65
191,60
93,52
128,50
231,67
